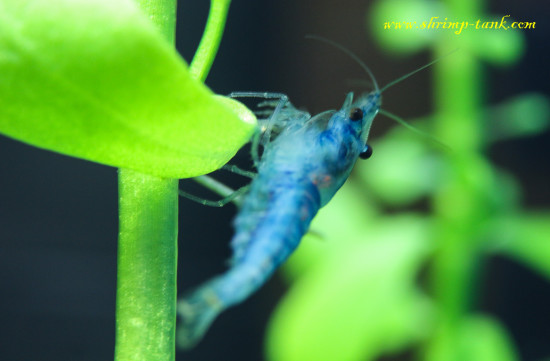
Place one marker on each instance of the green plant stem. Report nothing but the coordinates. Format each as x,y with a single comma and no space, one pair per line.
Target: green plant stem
147,247
208,47
148,214
147,255
458,98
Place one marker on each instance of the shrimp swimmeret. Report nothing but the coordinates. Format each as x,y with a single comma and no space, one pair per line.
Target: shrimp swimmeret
298,173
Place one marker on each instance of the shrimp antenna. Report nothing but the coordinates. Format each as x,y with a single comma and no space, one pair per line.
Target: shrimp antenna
416,130
401,78
350,54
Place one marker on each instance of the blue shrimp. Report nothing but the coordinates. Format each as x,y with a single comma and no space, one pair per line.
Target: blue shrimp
298,173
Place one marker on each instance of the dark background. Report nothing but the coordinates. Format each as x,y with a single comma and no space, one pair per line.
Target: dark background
58,215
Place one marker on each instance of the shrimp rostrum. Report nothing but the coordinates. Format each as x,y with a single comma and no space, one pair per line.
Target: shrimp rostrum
299,172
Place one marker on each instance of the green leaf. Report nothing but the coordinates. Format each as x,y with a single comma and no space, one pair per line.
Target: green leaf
96,80
483,339
475,338
521,116
360,301
396,24
404,168
500,47
526,239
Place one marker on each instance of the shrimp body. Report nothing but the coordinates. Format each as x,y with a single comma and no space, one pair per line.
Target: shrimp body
299,172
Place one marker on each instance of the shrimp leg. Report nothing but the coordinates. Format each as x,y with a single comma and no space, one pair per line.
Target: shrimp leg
257,139
233,197
215,186
234,169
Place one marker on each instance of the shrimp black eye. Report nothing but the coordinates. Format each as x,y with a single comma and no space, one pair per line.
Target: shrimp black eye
366,153
356,114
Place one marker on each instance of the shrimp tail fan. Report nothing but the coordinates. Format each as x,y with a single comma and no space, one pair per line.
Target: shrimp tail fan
197,311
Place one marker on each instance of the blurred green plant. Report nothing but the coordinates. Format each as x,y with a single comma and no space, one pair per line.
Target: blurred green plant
356,295
101,80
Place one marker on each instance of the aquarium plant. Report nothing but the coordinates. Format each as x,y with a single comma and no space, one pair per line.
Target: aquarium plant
407,282
101,80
